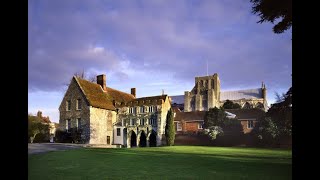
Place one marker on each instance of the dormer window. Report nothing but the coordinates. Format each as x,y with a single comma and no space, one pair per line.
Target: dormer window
68,105
78,104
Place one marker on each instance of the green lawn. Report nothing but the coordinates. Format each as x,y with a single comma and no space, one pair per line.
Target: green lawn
177,162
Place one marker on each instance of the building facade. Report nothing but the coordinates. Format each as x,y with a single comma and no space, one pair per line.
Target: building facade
108,116
206,94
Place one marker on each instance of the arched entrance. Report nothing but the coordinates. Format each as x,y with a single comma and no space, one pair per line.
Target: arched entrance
133,139
143,139
153,139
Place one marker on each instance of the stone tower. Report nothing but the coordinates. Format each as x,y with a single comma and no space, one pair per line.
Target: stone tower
204,95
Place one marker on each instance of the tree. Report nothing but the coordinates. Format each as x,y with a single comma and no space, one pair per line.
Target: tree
36,127
231,105
213,121
169,130
277,125
272,10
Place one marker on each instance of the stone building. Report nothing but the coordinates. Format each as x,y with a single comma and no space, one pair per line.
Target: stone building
206,94
109,116
141,122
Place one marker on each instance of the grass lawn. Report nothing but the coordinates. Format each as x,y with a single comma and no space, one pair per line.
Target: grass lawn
176,162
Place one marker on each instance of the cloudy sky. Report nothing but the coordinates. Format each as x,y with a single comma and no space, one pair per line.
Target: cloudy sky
151,45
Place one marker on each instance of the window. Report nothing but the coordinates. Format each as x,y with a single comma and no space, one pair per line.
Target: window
108,139
155,108
141,109
150,108
118,132
135,110
132,122
141,121
179,128
68,124
78,104
78,123
200,125
250,124
68,105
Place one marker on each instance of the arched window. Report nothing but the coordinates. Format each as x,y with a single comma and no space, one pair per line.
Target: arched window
260,105
247,105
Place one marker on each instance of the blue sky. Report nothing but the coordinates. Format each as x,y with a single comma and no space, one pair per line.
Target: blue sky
151,45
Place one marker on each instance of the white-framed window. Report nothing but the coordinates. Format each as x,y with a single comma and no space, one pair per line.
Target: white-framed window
78,104
200,125
118,132
141,109
68,105
78,123
68,124
250,124
179,127
150,108
142,121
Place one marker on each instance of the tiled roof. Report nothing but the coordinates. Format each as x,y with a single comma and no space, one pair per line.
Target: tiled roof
100,99
179,99
190,116
254,113
241,94
163,97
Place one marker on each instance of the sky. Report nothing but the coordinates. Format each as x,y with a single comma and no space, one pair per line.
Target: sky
151,45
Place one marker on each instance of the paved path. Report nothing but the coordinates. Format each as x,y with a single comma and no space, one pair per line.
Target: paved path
36,148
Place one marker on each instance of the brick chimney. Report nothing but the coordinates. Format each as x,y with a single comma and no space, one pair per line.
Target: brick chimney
101,80
39,114
133,91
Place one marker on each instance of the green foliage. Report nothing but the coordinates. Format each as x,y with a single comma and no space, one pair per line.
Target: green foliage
214,117
75,134
216,124
272,10
170,130
35,128
278,122
63,136
230,105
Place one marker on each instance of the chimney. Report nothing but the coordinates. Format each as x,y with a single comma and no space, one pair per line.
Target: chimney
101,80
133,91
39,114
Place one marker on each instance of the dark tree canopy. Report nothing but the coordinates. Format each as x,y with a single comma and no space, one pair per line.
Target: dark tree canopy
272,10
230,105
169,129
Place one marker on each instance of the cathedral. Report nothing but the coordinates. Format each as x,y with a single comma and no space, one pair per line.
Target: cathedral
206,94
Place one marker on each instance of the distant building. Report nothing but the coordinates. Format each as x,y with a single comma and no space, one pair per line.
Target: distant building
206,94
52,126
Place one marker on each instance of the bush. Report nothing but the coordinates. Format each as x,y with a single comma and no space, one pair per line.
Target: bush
63,136
41,138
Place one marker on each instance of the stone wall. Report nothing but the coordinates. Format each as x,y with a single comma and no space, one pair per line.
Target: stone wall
72,94
100,126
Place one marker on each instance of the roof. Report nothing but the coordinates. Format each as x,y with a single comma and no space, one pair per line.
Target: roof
163,97
190,116
179,99
241,94
100,99
254,113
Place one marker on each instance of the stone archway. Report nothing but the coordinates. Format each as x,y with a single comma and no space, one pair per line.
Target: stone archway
133,139
143,139
153,139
